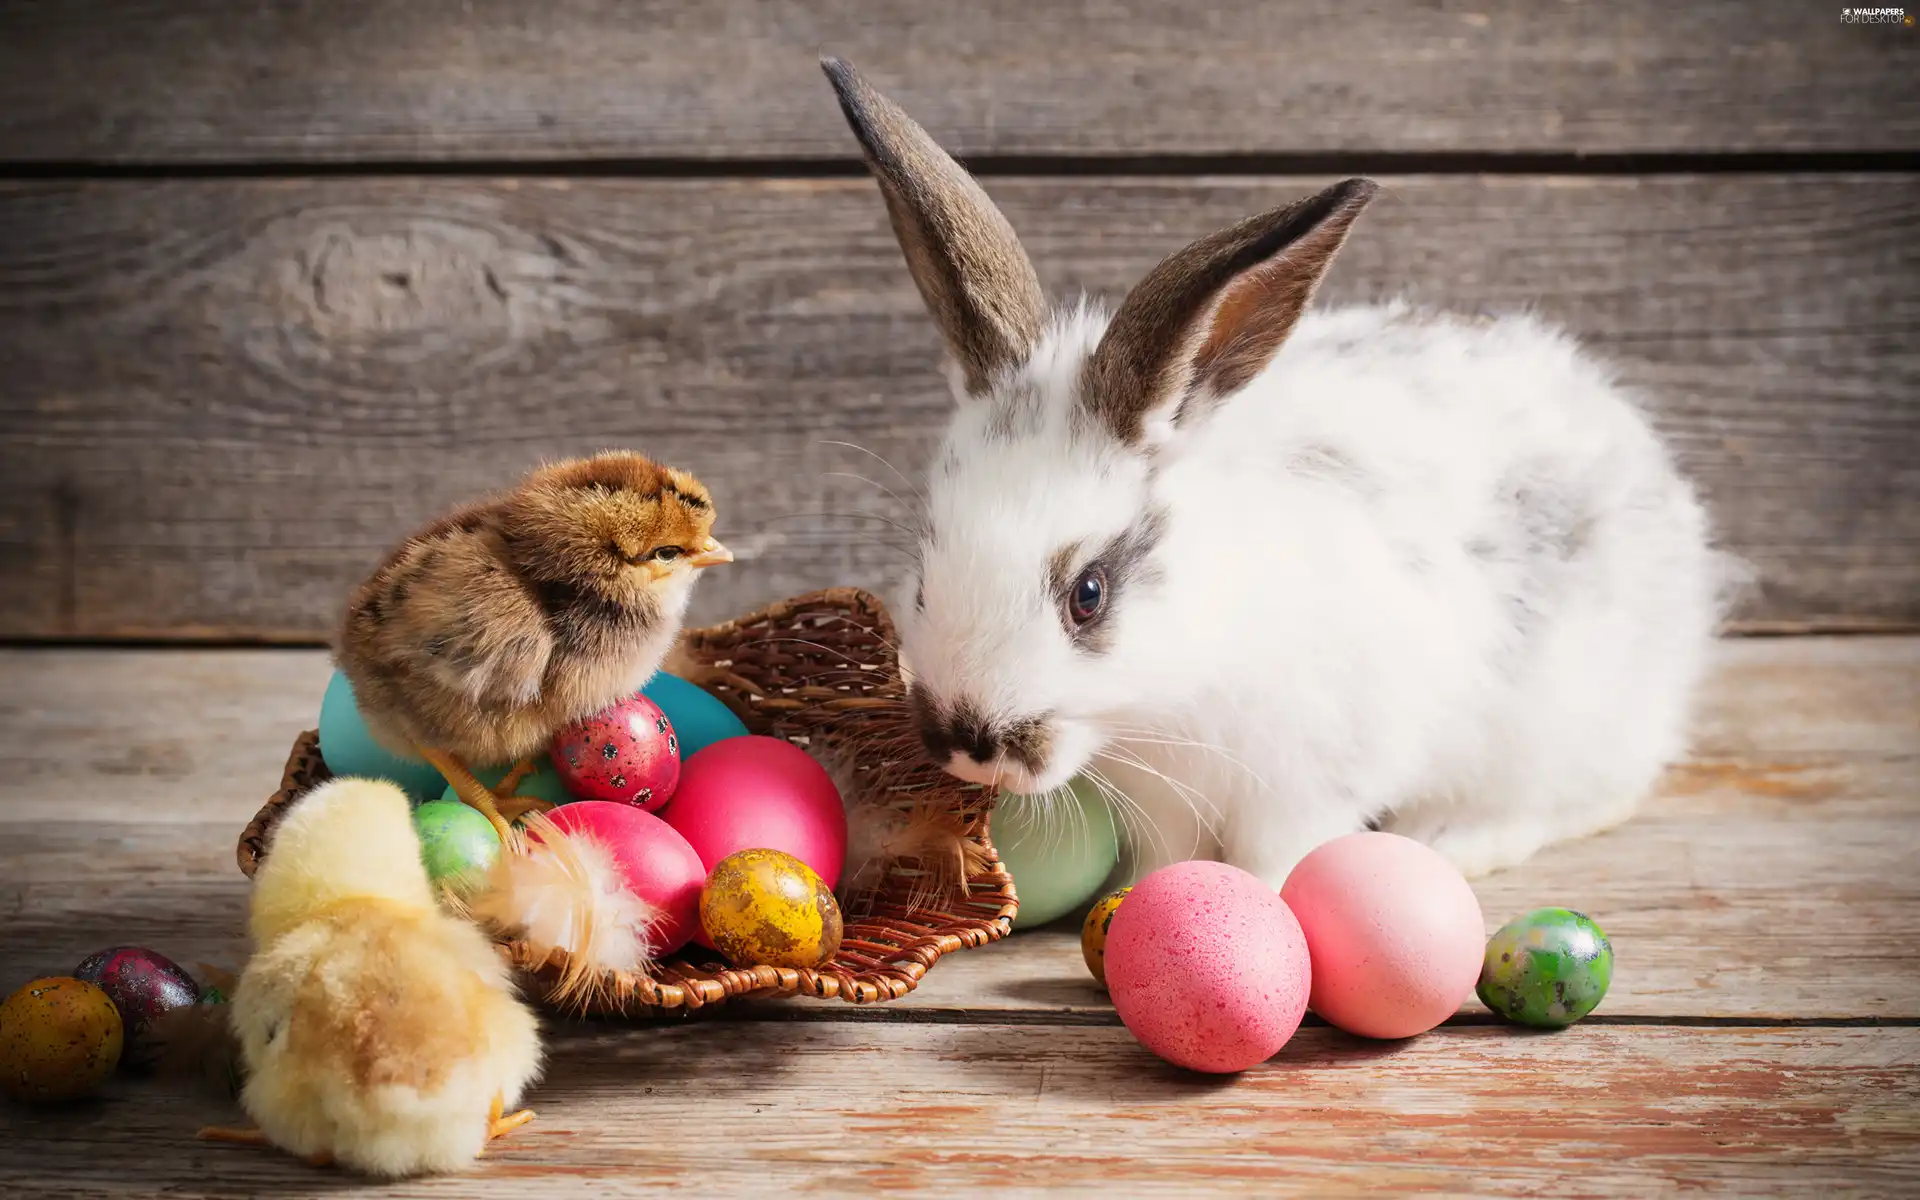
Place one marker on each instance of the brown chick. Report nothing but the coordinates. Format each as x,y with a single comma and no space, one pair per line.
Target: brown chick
493,627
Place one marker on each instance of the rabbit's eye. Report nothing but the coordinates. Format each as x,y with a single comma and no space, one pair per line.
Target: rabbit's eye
1088,596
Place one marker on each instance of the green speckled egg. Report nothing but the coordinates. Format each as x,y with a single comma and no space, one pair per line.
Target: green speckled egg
1547,969
455,840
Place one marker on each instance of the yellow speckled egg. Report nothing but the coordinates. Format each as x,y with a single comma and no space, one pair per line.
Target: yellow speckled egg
1093,934
59,1038
766,908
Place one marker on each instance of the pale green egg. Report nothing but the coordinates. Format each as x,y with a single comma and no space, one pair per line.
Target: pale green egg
1058,848
457,844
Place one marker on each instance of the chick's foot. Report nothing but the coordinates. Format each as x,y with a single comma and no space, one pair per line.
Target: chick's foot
469,788
239,1137
510,784
499,1126
507,797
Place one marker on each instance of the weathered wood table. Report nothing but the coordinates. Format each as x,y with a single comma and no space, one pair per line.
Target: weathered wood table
1763,1034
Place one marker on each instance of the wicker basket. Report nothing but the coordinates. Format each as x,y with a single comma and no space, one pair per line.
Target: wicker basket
818,670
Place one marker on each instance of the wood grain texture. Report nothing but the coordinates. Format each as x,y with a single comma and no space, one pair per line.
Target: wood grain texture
1771,883
226,398
757,1109
1772,878
1748,903
197,80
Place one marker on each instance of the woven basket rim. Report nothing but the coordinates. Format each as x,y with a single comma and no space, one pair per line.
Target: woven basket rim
803,696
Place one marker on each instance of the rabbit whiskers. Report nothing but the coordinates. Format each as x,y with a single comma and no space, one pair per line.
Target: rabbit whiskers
1128,735
893,495
883,461
1212,819
1134,819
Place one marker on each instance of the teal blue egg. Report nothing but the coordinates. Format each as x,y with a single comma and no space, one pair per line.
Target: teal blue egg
350,750
1058,848
455,840
543,784
697,716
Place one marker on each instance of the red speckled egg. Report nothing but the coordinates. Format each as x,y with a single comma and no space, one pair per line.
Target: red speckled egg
143,985
1207,967
1396,933
626,754
655,863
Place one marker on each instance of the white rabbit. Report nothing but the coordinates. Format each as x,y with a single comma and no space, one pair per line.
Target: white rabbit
1276,576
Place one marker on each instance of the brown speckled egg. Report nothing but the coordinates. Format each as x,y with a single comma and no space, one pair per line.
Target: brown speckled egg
766,908
59,1038
1093,933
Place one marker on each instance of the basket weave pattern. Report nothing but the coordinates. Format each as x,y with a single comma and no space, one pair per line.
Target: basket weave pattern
818,670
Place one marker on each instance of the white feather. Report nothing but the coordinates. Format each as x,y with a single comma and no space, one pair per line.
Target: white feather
564,891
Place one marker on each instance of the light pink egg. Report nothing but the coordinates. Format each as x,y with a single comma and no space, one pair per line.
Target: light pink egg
1395,933
1207,967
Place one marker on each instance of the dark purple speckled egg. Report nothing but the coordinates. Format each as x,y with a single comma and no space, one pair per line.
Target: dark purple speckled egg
142,984
625,754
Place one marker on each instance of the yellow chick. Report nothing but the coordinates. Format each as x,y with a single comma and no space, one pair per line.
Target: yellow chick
376,1031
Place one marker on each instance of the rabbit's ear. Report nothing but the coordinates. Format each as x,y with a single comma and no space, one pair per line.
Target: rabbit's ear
1209,318
975,278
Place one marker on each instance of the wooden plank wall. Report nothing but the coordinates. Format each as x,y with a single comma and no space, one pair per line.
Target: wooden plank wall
276,282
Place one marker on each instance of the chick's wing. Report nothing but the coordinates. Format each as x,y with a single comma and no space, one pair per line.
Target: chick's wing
469,624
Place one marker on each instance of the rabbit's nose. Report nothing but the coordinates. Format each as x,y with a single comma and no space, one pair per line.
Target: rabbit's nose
962,730
960,735
979,742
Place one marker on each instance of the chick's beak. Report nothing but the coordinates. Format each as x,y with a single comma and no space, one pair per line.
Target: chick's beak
712,554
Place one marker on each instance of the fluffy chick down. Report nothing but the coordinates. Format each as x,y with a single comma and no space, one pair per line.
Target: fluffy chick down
375,1030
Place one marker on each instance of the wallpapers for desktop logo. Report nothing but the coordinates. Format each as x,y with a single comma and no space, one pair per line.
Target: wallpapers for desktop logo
1875,16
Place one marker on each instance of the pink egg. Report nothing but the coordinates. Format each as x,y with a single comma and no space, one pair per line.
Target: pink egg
624,754
655,861
760,793
1395,933
1207,967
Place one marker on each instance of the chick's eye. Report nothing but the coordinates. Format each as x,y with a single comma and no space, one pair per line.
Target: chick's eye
1088,595
667,553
